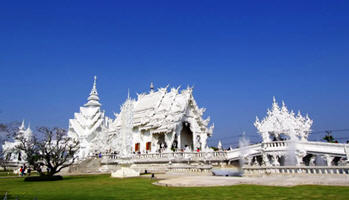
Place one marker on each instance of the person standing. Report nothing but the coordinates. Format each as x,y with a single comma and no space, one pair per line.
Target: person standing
21,171
24,169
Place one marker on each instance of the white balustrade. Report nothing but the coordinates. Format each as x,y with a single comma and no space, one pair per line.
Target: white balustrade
325,170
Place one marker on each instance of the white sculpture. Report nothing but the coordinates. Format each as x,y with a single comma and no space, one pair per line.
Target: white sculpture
125,172
125,137
219,146
280,121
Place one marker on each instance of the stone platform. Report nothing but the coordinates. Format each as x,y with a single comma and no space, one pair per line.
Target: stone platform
202,181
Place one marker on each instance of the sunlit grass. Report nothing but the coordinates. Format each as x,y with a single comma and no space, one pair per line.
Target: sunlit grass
104,187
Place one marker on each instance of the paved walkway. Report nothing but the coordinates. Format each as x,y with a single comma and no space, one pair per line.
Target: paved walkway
196,181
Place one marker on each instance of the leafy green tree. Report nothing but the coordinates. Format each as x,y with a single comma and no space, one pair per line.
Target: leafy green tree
328,137
214,148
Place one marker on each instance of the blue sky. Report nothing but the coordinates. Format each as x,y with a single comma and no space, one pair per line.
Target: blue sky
237,55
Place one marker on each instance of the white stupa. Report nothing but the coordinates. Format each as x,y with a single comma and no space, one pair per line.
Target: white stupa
88,125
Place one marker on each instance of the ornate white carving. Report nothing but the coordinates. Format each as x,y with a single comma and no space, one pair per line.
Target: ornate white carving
280,121
219,146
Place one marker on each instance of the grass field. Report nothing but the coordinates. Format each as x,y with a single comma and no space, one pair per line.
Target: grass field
104,187
10,173
7,173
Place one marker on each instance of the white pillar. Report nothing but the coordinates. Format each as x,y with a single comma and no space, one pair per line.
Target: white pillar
329,159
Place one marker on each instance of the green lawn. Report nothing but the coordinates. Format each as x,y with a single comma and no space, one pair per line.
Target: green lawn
104,187
10,173
6,173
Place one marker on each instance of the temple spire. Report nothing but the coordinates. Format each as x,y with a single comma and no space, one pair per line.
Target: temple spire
93,99
22,127
219,146
94,88
275,106
151,87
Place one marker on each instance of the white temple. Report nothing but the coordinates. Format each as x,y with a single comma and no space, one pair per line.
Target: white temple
9,147
280,122
158,121
164,130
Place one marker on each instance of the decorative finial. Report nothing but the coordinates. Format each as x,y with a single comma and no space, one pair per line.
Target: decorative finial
94,88
128,93
274,100
93,99
219,146
95,81
151,86
22,127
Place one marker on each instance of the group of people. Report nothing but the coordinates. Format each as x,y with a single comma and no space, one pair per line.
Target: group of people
24,170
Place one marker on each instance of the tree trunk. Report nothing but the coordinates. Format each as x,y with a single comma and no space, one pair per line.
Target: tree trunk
52,172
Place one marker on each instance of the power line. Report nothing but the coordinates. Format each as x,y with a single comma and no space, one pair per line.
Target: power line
329,130
234,139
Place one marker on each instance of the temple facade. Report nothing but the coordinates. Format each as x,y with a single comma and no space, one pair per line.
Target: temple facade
164,120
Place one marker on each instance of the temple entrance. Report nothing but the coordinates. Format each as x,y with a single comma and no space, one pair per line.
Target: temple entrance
186,137
174,146
161,144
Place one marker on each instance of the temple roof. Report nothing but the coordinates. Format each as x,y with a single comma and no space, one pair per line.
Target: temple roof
162,110
90,118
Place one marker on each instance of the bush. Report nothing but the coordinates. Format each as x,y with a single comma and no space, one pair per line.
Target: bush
44,178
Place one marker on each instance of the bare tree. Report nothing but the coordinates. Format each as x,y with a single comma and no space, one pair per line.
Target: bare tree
3,160
54,151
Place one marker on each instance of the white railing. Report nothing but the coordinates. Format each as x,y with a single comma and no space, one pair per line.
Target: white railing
297,170
218,155
190,169
276,144
256,149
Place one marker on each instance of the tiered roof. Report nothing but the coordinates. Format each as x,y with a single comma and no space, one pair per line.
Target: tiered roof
90,118
162,110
